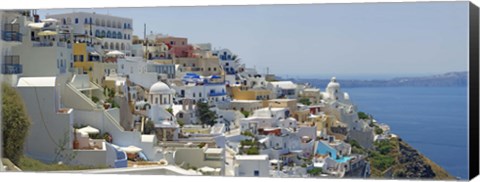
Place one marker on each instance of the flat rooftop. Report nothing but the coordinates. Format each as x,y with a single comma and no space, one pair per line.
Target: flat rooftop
251,157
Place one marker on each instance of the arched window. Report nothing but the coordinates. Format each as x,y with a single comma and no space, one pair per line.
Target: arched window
86,21
119,35
109,34
90,20
114,35
76,20
103,33
128,36
69,20
105,45
124,25
109,23
123,46
125,36
112,46
97,33
64,21
119,25
97,22
117,46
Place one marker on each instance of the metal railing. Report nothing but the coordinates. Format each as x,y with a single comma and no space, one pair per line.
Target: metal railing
11,36
12,69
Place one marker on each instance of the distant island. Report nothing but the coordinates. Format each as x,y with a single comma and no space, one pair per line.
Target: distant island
450,79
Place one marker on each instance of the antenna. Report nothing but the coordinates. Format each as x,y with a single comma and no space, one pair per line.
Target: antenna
145,40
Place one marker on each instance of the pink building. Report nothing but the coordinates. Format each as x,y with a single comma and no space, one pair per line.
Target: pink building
178,46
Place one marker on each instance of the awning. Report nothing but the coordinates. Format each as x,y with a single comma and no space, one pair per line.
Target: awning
47,33
94,53
115,53
89,130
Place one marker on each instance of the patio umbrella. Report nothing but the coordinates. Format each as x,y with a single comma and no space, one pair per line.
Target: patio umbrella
36,25
95,53
131,149
89,130
115,53
47,33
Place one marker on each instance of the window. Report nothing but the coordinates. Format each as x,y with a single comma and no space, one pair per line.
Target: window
193,94
256,173
128,36
172,43
81,58
180,115
200,94
86,21
156,100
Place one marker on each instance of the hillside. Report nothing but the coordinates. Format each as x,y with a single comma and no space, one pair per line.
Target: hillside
396,159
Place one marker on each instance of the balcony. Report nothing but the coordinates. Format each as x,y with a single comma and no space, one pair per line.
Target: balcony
12,65
11,36
10,69
42,44
214,94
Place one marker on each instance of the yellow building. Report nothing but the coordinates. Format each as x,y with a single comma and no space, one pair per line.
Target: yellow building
252,94
291,104
87,62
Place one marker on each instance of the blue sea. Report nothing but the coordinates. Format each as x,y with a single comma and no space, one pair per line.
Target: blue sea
431,119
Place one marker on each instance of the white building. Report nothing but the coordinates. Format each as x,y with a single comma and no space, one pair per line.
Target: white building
115,32
160,98
211,92
284,89
12,25
252,165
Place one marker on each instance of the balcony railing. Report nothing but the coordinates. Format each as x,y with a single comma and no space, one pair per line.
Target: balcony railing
42,44
10,69
213,94
11,36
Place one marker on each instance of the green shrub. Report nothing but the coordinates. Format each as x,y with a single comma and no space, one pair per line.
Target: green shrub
15,124
246,113
253,151
95,99
315,171
305,101
363,115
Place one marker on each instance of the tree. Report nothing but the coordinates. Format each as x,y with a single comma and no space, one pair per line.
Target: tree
305,101
149,127
206,115
15,124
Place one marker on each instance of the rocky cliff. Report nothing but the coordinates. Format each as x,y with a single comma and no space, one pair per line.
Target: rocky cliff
407,163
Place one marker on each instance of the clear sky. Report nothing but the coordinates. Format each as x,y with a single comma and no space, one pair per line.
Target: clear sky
371,40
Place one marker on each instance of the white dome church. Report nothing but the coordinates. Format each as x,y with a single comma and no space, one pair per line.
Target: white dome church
161,94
